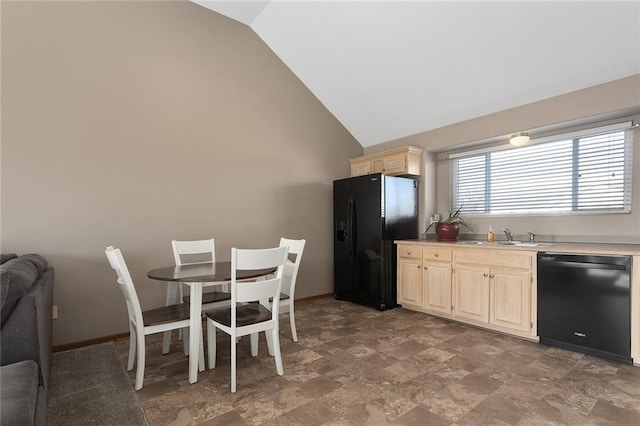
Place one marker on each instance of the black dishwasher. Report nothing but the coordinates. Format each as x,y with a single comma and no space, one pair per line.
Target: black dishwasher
584,303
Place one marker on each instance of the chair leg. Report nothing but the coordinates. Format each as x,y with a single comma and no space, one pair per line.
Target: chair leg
269,342
211,343
182,330
166,342
172,297
132,348
292,320
233,363
201,354
141,360
254,344
185,342
276,349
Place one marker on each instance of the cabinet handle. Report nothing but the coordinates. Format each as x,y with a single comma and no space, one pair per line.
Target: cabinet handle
491,276
409,253
419,266
485,275
436,255
426,267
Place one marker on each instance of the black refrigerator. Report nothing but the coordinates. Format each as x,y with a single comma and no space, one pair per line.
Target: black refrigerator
369,213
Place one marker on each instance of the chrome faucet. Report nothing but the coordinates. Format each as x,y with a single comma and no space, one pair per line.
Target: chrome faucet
508,233
532,236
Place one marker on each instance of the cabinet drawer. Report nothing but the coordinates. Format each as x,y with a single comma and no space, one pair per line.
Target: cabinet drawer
414,252
496,258
443,255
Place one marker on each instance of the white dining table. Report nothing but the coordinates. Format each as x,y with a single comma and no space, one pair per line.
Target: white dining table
197,275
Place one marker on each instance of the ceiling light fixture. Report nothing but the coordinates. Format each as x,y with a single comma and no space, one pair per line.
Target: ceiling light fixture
519,139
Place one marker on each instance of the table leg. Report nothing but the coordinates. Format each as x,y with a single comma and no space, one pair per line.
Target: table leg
195,330
172,296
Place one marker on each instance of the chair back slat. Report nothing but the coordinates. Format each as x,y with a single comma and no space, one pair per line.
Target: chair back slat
256,290
248,259
295,246
186,248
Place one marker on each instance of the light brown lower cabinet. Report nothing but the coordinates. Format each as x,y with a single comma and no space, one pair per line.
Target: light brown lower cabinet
437,285
410,279
510,299
499,297
492,289
424,278
471,293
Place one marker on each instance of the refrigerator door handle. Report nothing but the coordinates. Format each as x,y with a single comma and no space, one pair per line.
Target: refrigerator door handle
353,231
347,237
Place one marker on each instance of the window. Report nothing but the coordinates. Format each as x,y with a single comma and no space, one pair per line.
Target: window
585,172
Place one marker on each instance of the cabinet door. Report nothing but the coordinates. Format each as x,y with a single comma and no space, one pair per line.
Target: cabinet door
472,293
360,168
510,305
436,279
410,282
378,165
391,165
395,164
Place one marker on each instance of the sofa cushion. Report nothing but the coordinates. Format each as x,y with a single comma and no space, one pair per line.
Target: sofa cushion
17,275
6,256
18,393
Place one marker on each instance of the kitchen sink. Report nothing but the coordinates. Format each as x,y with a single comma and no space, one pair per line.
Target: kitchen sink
523,244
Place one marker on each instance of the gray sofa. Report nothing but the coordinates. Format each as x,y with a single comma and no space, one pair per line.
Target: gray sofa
26,302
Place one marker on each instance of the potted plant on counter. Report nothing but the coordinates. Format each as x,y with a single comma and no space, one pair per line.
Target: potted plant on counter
448,229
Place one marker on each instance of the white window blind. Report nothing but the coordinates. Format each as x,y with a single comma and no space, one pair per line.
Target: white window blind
584,173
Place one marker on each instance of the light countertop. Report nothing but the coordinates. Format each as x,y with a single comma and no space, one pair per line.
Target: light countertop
585,248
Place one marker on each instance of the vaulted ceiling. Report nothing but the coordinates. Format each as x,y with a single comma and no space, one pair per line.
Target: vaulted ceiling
389,69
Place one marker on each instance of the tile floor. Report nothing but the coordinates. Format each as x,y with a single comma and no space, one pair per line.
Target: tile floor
354,365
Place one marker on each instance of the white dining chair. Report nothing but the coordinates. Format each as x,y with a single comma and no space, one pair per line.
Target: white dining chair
188,253
143,323
245,318
210,299
289,278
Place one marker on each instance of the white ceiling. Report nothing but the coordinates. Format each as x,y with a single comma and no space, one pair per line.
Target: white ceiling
389,69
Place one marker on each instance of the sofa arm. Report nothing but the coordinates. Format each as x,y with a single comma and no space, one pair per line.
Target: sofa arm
28,332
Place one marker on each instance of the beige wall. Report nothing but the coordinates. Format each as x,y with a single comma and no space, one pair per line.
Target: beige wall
598,104
135,123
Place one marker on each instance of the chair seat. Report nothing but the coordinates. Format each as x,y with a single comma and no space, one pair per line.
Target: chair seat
282,297
210,297
251,313
166,314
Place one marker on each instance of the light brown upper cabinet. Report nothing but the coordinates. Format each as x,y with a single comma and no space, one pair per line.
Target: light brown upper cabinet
395,162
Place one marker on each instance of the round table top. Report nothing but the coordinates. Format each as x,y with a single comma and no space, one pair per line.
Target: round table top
204,272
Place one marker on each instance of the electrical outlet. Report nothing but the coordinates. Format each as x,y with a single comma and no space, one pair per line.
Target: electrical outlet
55,312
